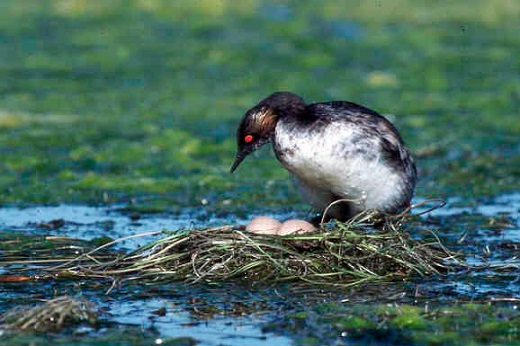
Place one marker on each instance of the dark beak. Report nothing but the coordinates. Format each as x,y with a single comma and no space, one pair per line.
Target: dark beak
239,158
245,150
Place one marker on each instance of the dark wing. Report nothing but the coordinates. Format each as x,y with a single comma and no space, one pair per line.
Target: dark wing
374,124
349,111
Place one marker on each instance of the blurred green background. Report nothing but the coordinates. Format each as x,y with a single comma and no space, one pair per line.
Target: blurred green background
136,102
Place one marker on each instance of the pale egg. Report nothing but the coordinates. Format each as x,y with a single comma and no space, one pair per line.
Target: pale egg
264,225
295,227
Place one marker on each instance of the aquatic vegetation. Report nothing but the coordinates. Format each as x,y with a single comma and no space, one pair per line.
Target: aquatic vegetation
51,316
460,324
341,255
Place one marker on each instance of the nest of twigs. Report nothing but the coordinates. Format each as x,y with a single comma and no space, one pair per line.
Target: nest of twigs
340,255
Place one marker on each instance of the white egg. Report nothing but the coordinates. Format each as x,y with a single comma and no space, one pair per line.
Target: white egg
295,227
264,225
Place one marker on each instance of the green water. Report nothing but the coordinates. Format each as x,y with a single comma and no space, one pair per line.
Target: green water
135,104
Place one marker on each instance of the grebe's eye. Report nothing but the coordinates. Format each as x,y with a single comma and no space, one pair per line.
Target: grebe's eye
248,138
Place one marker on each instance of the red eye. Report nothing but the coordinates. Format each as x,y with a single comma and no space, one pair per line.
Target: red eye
248,138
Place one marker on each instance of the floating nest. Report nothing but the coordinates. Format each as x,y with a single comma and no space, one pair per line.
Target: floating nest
340,254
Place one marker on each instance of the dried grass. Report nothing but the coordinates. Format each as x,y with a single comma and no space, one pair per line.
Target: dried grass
50,316
340,254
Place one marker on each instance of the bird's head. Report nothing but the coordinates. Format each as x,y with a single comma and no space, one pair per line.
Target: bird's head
255,129
258,124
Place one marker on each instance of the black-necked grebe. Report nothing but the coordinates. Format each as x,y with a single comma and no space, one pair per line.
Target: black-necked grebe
335,150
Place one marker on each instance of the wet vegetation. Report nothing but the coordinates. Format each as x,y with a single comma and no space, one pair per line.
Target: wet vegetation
338,255
52,316
465,323
135,103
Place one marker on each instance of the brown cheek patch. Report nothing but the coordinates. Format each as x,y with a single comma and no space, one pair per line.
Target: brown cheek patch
266,120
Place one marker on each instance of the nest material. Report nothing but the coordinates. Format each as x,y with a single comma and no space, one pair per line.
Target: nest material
345,255
50,316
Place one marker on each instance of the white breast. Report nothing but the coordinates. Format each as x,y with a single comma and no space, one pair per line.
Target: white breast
335,159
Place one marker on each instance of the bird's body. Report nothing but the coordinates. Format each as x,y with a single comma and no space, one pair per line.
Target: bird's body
335,150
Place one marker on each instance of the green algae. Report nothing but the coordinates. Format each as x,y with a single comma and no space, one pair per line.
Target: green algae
461,324
109,103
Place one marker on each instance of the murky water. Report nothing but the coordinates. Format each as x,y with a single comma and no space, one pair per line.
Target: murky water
221,330
508,204
489,234
84,222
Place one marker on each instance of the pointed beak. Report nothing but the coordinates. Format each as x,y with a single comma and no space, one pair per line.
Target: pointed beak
238,159
241,155
245,150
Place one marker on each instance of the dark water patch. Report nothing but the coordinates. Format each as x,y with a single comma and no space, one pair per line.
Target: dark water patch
488,236
507,204
207,327
227,313
89,223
